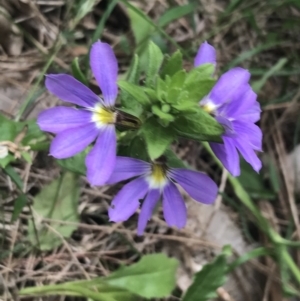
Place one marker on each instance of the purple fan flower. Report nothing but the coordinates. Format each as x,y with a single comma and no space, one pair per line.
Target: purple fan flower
233,103
76,128
153,181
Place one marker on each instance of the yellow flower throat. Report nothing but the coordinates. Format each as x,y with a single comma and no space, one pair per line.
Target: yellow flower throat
103,116
158,176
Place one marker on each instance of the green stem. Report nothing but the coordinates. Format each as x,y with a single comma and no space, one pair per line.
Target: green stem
263,223
290,263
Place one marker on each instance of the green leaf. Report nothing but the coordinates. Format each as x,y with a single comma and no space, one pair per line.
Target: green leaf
94,289
77,73
161,89
134,71
140,26
34,137
157,137
152,277
155,58
9,170
254,183
130,104
75,164
151,93
175,86
162,115
84,8
175,13
26,156
172,64
8,129
199,82
173,160
198,89
19,203
208,280
57,201
186,106
204,71
137,149
199,126
135,91
6,160
178,79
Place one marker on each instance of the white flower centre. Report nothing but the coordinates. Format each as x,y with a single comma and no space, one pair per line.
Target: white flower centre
158,177
103,116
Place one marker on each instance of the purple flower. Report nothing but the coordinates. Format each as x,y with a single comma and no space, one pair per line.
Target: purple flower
76,128
233,103
153,181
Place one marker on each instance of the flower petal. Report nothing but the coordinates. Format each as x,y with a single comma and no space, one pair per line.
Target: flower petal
105,69
249,155
241,100
174,206
72,141
100,161
206,54
59,119
228,85
228,155
126,168
198,185
69,89
147,209
126,201
252,114
249,133
227,125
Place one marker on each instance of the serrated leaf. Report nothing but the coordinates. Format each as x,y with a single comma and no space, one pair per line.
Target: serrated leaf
172,64
152,277
151,94
198,89
204,71
157,137
135,91
155,58
187,106
57,201
161,89
208,280
173,95
178,79
199,126
175,86
162,115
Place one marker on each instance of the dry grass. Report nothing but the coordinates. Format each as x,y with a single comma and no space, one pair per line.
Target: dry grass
34,32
